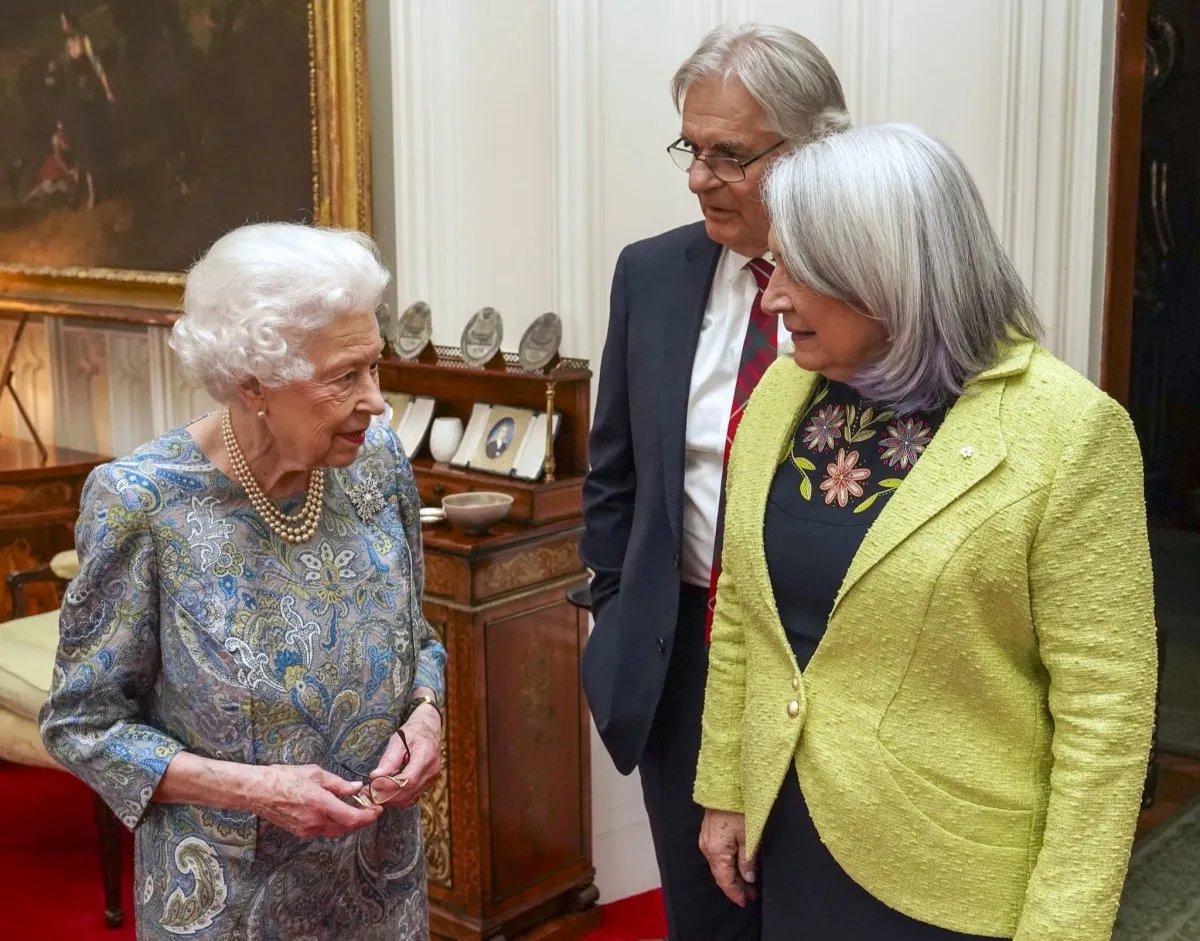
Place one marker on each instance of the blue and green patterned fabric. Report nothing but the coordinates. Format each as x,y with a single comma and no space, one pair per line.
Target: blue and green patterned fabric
191,626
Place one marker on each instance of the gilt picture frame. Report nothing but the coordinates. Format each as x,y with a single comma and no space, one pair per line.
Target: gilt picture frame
47,267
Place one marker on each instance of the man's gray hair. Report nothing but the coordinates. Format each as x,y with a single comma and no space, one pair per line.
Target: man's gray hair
888,220
785,73
253,302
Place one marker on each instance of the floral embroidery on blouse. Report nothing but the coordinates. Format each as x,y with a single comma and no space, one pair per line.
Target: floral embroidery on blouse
842,478
824,428
907,438
899,440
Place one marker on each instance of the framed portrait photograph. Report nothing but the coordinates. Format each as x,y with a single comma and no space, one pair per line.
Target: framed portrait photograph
502,439
135,132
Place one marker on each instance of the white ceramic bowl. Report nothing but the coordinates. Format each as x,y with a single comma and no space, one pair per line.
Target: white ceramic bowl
476,513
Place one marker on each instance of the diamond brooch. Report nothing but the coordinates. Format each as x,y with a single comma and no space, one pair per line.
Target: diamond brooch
366,498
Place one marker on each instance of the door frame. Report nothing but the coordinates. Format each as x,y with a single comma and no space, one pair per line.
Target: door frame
1129,66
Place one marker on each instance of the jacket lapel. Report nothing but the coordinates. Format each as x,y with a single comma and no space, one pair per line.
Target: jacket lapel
968,446
679,337
782,395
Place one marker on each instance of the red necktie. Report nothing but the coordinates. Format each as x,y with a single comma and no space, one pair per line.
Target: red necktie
758,353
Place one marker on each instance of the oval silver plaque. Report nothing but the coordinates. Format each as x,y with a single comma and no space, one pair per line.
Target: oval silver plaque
540,343
414,331
481,337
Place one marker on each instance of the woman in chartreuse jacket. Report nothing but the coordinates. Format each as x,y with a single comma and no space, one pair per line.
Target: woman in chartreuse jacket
931,682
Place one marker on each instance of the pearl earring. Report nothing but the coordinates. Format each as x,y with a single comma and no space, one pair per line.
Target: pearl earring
262,413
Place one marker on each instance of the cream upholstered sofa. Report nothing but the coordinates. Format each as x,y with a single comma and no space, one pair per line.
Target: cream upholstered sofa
26,657
27,647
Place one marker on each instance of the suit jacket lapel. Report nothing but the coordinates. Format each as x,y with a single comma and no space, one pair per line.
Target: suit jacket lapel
680,333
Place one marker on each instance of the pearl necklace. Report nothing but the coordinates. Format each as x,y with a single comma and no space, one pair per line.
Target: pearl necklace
298,527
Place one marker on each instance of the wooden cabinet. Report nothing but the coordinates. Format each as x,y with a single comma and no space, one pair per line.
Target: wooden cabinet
508,826
38,506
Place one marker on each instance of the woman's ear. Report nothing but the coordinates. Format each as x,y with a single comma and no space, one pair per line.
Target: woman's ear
252,396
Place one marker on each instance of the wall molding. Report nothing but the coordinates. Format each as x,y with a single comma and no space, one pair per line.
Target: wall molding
177,401
33,369
1080,302
427,158
130,387
1017,222
1050,168
866,54
576,280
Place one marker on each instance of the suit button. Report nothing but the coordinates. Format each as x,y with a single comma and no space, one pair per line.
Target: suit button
677,561
796,683
662,645
793,709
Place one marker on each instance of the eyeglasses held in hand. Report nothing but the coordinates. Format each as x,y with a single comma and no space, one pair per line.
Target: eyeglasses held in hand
386,787
726,169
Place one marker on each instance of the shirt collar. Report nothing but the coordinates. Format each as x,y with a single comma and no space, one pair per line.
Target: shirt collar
731,265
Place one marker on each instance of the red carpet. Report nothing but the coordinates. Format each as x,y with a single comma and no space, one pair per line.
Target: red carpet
50,869
49,862
638,918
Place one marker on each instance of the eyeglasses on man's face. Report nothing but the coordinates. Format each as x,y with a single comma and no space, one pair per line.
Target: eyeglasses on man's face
726,169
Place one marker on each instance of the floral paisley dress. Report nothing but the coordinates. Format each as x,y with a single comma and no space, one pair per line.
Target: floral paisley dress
192,626
848,458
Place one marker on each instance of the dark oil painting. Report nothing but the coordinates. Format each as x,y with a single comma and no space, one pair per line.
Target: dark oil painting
134,132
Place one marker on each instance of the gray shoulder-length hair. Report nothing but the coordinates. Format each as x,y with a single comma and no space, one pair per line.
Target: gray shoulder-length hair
887,220
784,72
253,302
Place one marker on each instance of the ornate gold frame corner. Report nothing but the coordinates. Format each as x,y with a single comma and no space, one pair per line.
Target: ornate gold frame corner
341,164
340,113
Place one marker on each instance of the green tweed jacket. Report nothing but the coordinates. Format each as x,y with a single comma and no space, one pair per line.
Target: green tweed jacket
971,735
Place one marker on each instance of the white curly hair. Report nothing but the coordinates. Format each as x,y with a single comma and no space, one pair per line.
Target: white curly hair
253,301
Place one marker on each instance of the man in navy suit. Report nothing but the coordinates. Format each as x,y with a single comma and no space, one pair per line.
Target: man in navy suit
687,340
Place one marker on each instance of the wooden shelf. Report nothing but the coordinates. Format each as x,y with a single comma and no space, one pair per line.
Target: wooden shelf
533,502
457,388
508,826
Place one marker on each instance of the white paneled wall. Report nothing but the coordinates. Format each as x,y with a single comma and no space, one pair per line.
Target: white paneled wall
31,379
98,387
528,149
529,136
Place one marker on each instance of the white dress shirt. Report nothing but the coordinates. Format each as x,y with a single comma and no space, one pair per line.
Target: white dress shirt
714,376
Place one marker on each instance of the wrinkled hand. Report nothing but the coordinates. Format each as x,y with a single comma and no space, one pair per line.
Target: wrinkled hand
424,733
306,800
723,843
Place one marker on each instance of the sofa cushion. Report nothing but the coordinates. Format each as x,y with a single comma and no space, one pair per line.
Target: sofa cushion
65,564
20,742
27,648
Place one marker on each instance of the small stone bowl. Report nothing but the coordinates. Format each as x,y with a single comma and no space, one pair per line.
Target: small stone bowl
476,513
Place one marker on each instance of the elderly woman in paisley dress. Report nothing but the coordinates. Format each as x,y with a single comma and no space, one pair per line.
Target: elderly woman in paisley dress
243,654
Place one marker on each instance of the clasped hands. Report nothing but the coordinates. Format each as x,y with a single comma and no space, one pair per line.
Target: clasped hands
308,801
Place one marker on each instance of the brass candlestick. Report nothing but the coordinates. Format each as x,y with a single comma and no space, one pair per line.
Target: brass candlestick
548,464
